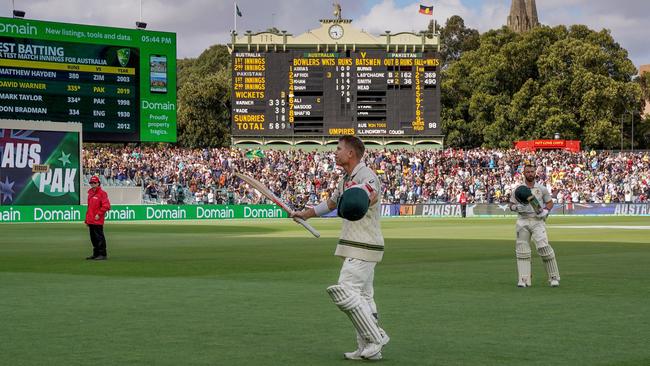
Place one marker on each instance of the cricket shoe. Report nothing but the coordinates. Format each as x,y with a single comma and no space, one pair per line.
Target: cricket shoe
372,351
356,355
524,282
554,282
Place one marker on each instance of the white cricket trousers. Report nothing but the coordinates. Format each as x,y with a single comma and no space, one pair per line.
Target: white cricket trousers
358,275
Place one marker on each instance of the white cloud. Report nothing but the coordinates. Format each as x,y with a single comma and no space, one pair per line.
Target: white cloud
628,22
202,23
407,18
198,23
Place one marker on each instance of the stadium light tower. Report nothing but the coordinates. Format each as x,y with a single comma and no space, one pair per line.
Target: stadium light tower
140,24
17,13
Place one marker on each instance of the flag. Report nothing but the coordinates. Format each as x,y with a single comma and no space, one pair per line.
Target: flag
238,11
8,136
426,10
254,154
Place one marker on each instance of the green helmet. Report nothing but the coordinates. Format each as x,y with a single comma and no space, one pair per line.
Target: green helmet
522,194
353,204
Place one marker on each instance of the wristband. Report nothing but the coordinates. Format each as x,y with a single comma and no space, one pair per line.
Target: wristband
321,208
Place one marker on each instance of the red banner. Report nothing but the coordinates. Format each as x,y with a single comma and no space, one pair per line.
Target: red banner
571,145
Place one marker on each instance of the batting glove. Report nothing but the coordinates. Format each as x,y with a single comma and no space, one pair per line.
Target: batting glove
543,214
517,207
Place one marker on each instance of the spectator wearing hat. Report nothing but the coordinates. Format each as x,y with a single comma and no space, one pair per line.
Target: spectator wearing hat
410,177
98,205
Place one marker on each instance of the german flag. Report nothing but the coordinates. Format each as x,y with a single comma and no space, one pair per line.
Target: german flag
426,10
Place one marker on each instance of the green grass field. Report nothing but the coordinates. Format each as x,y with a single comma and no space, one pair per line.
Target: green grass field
253,293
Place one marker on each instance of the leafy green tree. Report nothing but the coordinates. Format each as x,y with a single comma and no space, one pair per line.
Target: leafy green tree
204,99
456,38
210,61
573,81
644,84
642,136
204,110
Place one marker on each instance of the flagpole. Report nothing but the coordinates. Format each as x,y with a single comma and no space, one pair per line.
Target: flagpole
234,12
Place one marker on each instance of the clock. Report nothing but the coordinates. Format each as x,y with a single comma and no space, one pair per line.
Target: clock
336,31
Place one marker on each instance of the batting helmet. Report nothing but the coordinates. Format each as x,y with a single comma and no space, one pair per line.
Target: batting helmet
353,204
522,193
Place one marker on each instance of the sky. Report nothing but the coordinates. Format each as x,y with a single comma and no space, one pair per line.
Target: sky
202,23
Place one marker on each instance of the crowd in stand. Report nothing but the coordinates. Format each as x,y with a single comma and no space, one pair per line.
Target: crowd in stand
205,176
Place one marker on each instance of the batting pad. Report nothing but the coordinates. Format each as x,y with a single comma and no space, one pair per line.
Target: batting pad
352,305
523,253
548,256
523,261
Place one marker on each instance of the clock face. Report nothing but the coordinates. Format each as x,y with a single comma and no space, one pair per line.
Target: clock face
336,31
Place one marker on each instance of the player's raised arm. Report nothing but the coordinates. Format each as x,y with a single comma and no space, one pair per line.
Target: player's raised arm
318,210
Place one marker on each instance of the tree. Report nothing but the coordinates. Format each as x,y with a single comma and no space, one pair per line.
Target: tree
204,112
204,99
573,81
642,135
455,39
210,61
644,83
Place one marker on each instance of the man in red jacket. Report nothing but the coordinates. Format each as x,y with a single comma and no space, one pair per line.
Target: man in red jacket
462,199
98,204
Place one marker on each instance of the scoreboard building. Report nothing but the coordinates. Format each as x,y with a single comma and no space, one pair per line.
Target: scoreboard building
335,80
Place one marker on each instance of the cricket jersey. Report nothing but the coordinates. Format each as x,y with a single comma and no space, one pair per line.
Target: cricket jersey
540,192
361,239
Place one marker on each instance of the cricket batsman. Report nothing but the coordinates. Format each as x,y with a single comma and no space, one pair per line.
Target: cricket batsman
533,203
361,246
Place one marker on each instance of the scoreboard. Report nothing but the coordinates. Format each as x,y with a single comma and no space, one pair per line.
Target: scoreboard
119,83
364,92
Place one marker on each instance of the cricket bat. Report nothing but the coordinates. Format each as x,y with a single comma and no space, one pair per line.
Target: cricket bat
268,194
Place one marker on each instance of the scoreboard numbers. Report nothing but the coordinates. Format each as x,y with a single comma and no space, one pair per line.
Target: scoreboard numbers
366,93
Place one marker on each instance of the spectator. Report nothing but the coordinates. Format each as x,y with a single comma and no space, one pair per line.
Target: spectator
407,176
151,191
211,197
